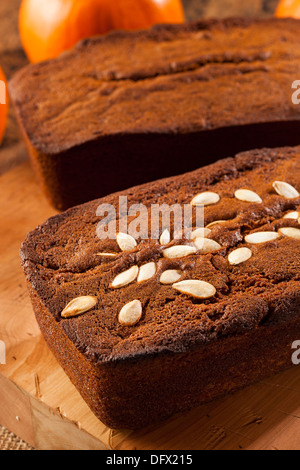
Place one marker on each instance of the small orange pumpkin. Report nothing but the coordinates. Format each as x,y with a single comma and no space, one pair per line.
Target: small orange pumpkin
288,9
3,104
49,27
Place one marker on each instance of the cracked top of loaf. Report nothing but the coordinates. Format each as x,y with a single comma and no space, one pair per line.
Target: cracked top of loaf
239,291
168,79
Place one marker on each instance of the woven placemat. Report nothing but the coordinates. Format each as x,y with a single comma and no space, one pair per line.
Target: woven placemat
9,441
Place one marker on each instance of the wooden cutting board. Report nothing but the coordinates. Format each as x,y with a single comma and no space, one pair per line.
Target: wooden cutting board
39,403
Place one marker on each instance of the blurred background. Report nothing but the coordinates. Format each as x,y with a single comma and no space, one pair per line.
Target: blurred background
12,56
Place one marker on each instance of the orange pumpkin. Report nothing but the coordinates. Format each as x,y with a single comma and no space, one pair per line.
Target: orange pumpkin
49,27
288,9
3,104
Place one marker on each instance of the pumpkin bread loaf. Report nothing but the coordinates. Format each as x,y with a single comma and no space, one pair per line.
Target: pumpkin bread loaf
149,327
128,108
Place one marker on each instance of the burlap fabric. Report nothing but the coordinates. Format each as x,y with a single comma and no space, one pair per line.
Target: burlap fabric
9,441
